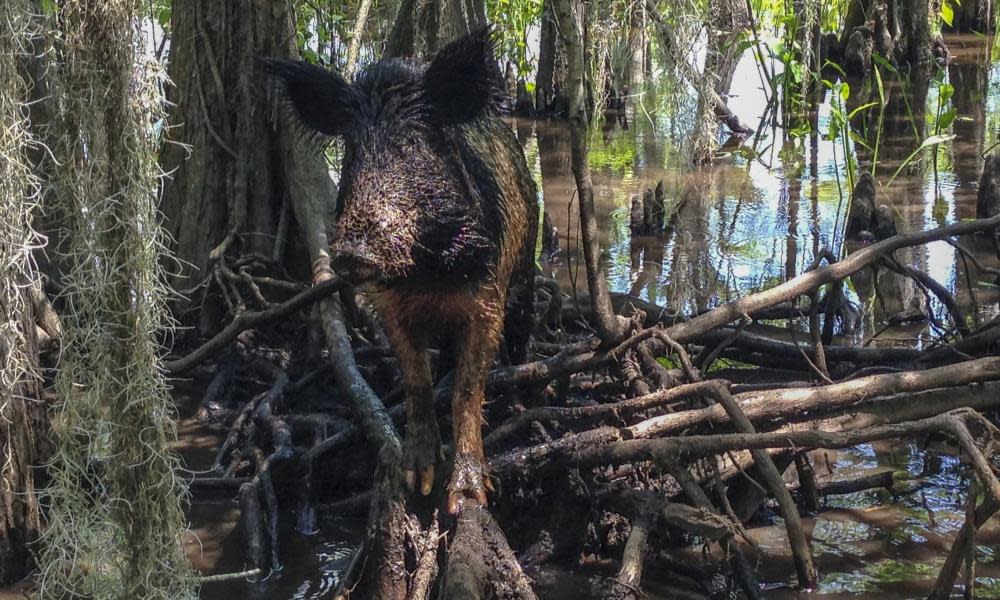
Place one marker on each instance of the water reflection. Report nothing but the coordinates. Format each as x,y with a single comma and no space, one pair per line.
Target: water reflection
753,219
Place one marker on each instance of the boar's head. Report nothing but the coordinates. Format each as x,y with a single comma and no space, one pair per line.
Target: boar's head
408,210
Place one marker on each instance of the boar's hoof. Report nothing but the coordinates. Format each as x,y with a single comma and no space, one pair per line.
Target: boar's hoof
469,481
421,451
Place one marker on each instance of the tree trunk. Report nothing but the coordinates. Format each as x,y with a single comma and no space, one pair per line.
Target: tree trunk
226,193
550,81
972,16
972,83
915,26
634,73
608,325
423,27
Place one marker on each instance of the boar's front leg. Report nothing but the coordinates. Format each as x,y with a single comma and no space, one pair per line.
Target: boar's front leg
476,349
422,447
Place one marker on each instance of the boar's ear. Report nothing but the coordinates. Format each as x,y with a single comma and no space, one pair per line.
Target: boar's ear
463,80
322,99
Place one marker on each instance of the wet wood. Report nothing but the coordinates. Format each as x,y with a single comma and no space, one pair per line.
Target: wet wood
772,477
250,319
787,404
481,564
806,282
626,585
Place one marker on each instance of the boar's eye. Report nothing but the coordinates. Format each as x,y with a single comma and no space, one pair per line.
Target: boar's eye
463,80
322,100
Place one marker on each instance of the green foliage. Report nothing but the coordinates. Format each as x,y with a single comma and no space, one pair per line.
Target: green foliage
617,155
511,20
840,125
321,25
947,12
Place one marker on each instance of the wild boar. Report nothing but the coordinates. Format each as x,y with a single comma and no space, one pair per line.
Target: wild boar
436,218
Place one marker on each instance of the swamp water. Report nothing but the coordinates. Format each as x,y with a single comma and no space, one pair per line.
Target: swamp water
754,218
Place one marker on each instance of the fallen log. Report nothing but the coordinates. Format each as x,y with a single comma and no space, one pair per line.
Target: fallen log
787,404
885,478
667,451
481,564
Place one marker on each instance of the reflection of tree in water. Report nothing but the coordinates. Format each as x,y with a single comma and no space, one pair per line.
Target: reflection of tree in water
559,193
896,130
970,77
683,269
692,277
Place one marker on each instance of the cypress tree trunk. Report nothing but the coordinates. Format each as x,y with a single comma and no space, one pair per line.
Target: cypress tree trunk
634,73
550,81
972,16
423,26
972,84
608,325
226,194
915,26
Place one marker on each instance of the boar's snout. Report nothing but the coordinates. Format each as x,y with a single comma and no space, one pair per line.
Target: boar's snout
354,264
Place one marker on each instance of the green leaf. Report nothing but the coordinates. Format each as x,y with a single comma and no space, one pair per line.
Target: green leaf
927,143
49,7
861,141
947,118
834,131
861,108
881,88
310,56
935,140
946,91
666,363
162,16
882,62
947,13
835,67
845,91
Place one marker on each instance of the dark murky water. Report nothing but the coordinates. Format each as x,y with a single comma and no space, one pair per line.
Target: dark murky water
748,222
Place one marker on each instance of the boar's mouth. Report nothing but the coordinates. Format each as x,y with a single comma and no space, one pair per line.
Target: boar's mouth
355,265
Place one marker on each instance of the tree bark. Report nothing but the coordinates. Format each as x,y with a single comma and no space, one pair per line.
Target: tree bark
634,74
972,16
550,81
423,27
226,188
358,32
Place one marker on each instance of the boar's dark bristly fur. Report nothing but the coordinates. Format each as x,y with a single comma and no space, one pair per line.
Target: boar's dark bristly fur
436,217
